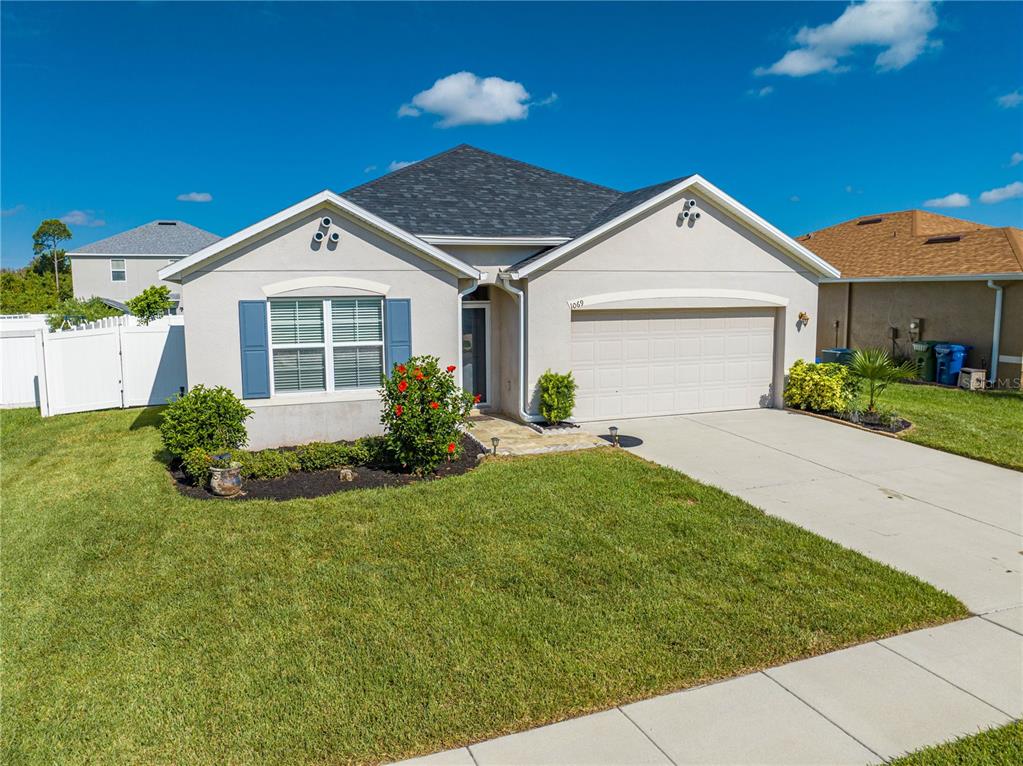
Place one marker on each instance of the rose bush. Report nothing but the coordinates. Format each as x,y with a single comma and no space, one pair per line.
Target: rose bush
424,413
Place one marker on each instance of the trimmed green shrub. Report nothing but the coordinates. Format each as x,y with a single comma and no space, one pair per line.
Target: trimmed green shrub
424,412
212,419
196,464
372,450
267,464
827,387
557,396
319,455
152,303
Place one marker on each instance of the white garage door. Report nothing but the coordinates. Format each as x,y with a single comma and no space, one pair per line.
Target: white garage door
643,363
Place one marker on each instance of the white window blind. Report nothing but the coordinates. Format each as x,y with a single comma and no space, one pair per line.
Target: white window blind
296,321
118,273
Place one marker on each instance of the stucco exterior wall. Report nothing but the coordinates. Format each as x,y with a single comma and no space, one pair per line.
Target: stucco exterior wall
958,312
660,252
490,258
91,276
211,297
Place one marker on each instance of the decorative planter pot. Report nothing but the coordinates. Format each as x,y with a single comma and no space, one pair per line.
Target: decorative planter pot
226,482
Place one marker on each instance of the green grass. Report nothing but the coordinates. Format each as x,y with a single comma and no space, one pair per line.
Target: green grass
139,626
984,425
996,747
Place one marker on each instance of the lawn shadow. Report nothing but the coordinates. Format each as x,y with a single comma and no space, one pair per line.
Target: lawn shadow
149,417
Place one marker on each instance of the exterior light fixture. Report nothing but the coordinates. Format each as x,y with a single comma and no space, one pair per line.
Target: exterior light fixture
495,441
613,430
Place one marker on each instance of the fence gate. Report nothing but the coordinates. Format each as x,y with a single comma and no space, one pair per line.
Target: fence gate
110,364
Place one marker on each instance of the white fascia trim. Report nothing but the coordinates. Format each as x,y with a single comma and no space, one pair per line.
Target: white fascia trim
446,239
277,288
729,205
127,255
324,197
632,295
1012,275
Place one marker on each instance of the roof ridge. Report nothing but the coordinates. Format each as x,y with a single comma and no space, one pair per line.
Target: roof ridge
1015,239
401,170
600,214
539,167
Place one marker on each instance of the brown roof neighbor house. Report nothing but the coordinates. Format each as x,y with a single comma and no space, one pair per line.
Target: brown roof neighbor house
963,282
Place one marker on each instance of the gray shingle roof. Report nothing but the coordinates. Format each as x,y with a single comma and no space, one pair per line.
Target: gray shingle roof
163,237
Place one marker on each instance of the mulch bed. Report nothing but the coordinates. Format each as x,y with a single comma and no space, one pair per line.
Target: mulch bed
898,426
302,484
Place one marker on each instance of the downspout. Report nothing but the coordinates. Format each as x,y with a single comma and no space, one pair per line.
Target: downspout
473,284
520,297
996,332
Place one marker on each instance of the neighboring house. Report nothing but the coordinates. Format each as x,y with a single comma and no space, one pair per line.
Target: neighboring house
962,281
504,270
120,267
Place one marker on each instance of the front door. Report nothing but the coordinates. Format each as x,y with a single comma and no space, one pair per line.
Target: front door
475,349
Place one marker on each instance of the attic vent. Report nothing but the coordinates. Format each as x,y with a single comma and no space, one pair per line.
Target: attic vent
866,221
166,223
940,240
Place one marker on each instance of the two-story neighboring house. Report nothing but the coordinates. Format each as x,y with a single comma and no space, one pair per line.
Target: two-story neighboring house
120,267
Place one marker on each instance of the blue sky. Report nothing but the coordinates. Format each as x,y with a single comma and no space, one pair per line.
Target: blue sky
808,113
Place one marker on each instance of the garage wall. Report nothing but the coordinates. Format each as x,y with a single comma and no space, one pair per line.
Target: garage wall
959,312
658,252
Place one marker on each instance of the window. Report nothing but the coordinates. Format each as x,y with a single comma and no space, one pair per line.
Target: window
328,344
117,271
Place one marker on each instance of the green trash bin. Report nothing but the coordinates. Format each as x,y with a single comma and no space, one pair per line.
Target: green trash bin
923,356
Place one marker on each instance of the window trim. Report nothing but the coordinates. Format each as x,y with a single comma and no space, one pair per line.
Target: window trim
327,345
123,270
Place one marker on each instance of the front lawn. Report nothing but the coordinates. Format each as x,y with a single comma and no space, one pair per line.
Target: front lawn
996,747
984,425
142,626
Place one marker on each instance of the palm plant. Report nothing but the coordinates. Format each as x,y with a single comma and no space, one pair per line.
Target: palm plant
878,370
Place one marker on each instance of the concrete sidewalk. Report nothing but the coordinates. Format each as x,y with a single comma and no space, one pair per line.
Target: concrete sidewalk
951,521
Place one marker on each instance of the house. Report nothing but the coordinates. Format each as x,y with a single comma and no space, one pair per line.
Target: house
668,299
960,282
120,267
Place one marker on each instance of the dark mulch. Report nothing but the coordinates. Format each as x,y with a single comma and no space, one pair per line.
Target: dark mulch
318,483
863,421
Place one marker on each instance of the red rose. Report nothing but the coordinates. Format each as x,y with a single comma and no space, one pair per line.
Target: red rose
398,410
451,368
434,405
451,447
402,385
477,398
402,369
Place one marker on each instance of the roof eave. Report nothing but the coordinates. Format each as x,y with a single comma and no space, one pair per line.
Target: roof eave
727,203
174,272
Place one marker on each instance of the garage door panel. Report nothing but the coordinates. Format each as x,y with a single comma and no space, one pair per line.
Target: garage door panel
638,363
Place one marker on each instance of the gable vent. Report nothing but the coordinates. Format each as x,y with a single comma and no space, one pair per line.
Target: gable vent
866,221
166,223
940,240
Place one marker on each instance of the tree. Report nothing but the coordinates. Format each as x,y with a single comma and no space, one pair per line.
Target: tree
152,303
51,233
878,371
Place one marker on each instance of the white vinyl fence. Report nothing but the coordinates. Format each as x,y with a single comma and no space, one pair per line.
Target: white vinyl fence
18,359
113,362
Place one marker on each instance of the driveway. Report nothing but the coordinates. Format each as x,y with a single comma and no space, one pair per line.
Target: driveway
951,521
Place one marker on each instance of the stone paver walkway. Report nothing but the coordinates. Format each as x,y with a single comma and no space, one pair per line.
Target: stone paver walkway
952,521
518,439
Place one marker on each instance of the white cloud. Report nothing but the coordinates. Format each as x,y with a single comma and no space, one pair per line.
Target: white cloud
767,90
900,28
7,212
195,197
1015,159
1002,193
399,164
82,218
949,200
369,168
465,99
794,198
1010,100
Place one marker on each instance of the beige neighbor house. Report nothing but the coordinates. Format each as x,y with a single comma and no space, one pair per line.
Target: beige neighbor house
673,298
120,267
958,281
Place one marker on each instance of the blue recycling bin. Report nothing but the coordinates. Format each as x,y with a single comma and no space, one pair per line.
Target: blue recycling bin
840,355
950,359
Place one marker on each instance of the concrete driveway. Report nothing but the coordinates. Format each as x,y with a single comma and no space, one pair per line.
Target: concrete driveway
951,521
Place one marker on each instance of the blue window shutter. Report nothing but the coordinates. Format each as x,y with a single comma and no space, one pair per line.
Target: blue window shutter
397,331
255,350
